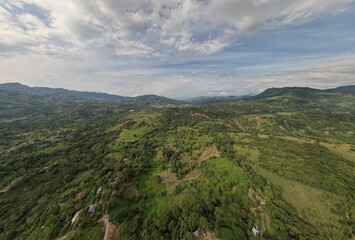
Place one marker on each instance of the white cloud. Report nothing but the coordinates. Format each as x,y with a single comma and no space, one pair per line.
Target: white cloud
131,47
149,27
322,73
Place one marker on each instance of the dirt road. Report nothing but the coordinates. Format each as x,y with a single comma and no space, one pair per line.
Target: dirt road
110,229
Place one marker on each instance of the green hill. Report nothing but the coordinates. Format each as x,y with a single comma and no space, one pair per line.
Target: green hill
344,89
281,164
70,95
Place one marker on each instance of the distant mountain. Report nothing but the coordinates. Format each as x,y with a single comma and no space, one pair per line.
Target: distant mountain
157,101
214,99
69,95
59,92
299,92
343,89
303,92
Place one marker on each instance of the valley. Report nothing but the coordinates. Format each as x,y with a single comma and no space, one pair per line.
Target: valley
276,166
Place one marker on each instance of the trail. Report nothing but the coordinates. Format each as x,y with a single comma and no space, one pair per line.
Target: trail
8,187
183,180
62,238
109,228
199,174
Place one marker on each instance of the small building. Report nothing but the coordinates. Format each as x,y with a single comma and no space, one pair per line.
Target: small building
131,110
255,231
197,233
261,200
99,190
92,208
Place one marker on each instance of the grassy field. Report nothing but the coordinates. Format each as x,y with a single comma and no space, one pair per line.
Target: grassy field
250,153
345,150
312,204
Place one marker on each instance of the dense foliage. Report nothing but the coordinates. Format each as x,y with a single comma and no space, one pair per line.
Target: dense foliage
282,164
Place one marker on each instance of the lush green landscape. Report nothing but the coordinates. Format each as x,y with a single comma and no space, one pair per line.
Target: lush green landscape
282,163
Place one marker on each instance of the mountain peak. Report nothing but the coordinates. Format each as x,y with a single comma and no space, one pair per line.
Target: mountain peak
343,89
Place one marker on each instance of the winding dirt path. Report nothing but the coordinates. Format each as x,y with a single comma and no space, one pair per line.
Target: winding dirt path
110,229
106,222
8,187
215,154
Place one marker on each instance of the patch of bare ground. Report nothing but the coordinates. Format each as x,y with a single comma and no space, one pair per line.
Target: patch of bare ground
113,180
251,193
205,235
75,217
170,180
209,152
79,195
110,229
61,238
118,127
8,187
130,191
200,115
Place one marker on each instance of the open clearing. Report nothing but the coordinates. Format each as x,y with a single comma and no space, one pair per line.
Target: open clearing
311,203
341,149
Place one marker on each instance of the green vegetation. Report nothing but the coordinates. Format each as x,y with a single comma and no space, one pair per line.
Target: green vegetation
282,163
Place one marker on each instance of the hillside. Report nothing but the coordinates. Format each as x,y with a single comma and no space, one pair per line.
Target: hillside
70,95
344,89
58,92
214,99
277,166
304,93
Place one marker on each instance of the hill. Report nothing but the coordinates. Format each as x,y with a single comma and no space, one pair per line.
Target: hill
276,167
59,92
70,95
343,89
303,92
298,92
156,101
203,100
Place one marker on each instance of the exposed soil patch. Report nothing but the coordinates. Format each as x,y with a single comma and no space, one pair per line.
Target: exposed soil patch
130,191
61,238
79,195
200,115
205,235
110,229
170,178
8,187
76,217
209,152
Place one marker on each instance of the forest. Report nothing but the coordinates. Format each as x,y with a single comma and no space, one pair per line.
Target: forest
277,166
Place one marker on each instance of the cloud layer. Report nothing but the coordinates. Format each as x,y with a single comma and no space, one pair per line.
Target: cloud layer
177,47
145,27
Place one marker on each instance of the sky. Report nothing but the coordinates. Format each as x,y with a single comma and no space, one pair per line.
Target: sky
177,48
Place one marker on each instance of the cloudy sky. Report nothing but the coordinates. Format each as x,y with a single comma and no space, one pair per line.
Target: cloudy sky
177,48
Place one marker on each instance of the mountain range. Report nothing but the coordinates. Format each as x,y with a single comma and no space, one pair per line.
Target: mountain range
86,165
160,101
